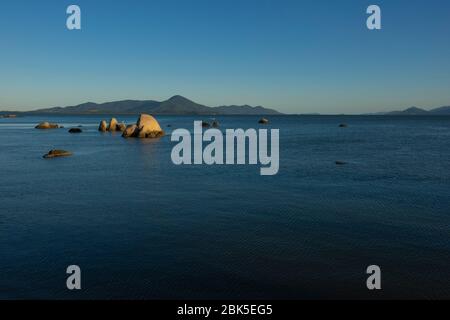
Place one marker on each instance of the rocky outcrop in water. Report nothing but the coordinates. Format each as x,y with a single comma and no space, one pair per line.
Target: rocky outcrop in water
103,127
57,153
146,127
47,125
263,121
130,131
121,127
112,124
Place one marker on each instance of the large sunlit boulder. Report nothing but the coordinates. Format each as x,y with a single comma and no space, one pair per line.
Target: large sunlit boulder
148,127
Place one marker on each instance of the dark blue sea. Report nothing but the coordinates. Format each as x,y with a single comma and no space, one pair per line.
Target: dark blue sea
141,227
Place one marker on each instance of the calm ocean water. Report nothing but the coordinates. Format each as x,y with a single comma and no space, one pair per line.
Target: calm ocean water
141,227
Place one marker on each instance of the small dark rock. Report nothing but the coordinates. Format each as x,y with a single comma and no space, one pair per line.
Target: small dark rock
340,163
205,124
215,124
263,121
343,125
75,130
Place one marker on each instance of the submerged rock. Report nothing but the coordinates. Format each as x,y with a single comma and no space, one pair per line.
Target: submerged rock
263,121
215,124
121,127
340,163
343,125
57,153
151,135
103,126
205,124
47,125
75,130
130,131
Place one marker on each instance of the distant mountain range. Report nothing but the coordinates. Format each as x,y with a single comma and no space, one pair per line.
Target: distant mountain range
177,105
414,111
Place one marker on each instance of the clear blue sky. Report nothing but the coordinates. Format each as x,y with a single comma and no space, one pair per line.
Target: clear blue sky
296,56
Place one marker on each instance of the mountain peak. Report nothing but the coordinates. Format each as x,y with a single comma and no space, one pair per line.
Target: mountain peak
178,98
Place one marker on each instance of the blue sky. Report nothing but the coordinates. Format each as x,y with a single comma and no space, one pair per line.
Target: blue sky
296,56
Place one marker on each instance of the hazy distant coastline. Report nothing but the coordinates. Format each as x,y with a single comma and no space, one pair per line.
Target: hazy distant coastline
176,105
414,111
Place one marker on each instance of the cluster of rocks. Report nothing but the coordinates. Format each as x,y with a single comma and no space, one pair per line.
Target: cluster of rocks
112,126
145,127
